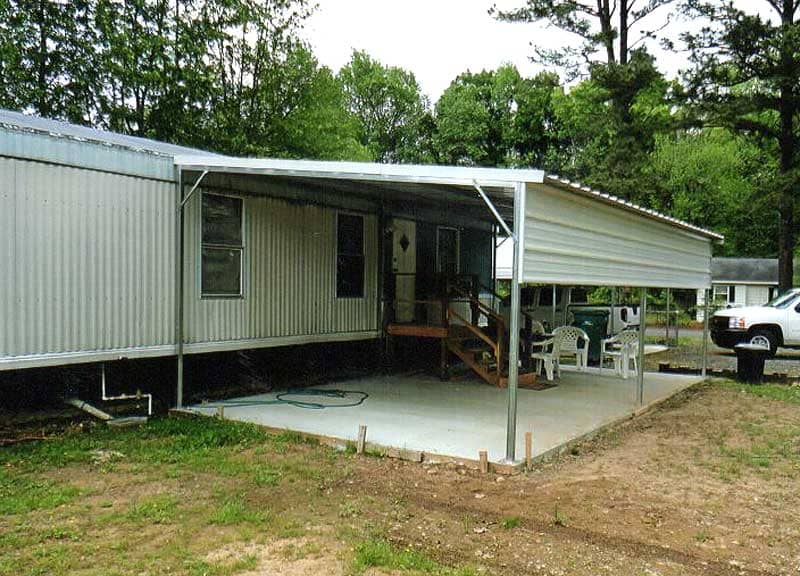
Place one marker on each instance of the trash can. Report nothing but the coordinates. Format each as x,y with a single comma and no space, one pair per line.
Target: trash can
750,362
595,324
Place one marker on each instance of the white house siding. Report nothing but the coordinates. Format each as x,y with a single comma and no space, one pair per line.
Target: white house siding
88,263
756,295
289,280
576,240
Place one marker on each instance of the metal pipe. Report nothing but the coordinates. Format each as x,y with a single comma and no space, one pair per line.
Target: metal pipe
706,297
567,296
553,306
642,331
493,209
666,321
191,192
179,289
107,398
613,318
513,345
86,407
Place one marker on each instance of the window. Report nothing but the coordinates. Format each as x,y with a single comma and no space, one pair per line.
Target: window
222,246
349,256
721,294
447,249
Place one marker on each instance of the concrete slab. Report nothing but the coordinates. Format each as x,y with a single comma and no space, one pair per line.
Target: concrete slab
459,418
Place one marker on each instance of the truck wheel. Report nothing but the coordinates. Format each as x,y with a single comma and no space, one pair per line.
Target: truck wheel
764,337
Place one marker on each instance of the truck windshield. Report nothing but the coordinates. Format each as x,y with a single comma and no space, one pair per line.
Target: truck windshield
783,301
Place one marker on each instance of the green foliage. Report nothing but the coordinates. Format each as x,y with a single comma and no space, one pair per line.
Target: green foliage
158,509
392,110
721,180
496,118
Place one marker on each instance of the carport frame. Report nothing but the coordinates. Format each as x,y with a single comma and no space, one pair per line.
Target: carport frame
509,181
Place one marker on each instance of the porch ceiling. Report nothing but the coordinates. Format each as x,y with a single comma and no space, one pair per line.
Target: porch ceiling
443,188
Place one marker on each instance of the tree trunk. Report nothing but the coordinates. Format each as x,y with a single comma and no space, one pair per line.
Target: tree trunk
787,143
623,32
604,12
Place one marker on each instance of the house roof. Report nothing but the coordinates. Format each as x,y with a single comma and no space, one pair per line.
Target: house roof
745,270
57,128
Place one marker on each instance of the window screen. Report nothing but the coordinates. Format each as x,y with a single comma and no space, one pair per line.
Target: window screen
447,251
222,246
349,256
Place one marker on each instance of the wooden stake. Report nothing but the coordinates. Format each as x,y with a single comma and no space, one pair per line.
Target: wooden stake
221,412
483,456
362,439
528,450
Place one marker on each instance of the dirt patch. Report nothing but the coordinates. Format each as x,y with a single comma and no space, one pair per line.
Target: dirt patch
306,556
671,493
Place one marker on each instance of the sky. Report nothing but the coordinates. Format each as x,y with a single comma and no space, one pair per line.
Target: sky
435,39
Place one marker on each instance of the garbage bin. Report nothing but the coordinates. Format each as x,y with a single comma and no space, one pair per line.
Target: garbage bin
750,362
595,324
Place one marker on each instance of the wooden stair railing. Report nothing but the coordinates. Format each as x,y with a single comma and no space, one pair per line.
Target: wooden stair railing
468,330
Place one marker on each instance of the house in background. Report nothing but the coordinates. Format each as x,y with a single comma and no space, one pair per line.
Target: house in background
738,282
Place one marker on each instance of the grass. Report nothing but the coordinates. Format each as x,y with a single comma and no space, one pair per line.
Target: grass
781,392
23,494
235,510
378,553
158,509
511,522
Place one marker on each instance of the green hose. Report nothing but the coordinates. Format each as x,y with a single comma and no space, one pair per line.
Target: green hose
283,398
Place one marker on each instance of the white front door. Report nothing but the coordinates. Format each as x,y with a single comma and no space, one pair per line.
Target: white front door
404,266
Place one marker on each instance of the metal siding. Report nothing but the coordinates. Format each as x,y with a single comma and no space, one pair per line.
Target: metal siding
91,259
570,239
289,277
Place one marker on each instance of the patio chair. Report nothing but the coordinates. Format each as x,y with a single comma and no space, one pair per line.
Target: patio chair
566,341
623,349
547,358
572,341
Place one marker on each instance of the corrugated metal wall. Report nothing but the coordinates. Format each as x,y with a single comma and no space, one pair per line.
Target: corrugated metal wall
570,239
289,277
87,260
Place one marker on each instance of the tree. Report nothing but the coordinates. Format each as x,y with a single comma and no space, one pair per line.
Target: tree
611,28
390,105
496,118
46,57
746,76
715,178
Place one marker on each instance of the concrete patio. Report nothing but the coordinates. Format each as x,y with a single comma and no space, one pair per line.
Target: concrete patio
459,418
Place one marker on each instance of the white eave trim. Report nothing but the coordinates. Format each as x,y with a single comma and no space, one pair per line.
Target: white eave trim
364,171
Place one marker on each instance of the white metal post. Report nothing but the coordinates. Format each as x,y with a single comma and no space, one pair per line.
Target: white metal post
666,320
553,325
179,288
642,330
513,344
706,297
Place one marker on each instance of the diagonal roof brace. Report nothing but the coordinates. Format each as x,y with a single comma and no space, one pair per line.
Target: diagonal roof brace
492,208
196,184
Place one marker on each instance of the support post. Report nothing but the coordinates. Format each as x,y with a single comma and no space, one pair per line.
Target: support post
528,450
666,320
642,331
706,298
553,325
179,289
513,344
613,315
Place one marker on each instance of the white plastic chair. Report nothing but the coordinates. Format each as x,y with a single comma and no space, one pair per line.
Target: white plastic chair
566,341
547,357
572,341
623,349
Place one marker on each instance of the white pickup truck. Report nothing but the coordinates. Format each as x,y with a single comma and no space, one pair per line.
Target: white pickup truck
776,324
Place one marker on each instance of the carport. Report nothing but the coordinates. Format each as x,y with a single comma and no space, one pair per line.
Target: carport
562,233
